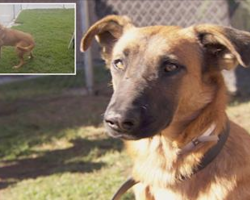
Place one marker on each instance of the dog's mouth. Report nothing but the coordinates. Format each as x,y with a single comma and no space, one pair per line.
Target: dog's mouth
141,133
119,135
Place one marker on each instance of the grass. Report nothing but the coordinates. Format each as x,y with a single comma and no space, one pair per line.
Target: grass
53,145
240,113
52,30
40,86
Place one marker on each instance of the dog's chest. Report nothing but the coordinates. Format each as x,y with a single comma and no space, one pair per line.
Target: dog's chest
160,194
196,191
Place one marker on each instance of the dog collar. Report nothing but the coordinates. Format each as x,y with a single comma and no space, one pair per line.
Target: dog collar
205,137
209,156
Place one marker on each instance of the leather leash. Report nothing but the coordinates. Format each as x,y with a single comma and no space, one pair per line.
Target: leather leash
130,182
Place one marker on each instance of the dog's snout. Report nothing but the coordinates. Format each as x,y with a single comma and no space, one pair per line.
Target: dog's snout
121,122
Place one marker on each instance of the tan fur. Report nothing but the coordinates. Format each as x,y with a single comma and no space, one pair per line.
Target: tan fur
157,160
23,42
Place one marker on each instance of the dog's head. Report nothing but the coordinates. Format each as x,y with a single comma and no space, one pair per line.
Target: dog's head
161,74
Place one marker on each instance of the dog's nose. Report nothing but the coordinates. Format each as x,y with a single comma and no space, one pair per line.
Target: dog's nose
121,122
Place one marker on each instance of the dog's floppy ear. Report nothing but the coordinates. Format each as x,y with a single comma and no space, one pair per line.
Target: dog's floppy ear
227,46
106,31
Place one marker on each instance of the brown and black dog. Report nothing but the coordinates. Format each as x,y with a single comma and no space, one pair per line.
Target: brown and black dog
23,42
169,105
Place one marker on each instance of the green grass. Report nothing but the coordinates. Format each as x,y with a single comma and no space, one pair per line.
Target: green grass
53,145
52,30
40,86
240,113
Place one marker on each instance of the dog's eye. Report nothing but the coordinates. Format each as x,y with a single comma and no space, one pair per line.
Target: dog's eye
170,67
118,64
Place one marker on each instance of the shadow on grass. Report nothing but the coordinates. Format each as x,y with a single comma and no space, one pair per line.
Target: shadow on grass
27,123
239,98
57,161
39,112
243,83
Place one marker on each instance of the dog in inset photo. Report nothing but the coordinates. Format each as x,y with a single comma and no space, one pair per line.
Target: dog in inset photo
169,105
23,42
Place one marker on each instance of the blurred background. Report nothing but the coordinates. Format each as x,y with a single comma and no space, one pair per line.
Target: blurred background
52,142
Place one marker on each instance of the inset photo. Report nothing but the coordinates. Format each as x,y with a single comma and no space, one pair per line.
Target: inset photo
37,38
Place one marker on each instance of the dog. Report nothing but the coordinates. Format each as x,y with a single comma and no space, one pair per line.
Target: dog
23,42
169,106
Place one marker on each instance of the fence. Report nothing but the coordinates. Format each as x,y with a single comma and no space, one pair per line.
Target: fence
182,13
9,13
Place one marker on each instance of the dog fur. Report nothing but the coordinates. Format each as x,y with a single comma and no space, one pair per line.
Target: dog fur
23,42
197,98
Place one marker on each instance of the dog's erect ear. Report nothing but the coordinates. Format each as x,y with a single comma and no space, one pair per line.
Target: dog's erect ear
227,46
107,31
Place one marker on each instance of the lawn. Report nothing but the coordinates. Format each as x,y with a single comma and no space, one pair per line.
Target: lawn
53,145
52,30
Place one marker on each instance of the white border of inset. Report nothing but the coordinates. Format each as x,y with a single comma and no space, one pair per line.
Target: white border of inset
74,73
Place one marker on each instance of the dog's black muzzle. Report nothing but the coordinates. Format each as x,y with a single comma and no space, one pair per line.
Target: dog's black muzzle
134,118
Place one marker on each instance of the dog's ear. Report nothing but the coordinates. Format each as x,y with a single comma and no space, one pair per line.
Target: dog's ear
106,31
228,47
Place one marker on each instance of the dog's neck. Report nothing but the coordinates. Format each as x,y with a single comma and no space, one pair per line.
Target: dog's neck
164,151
